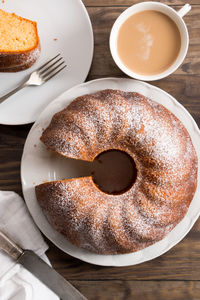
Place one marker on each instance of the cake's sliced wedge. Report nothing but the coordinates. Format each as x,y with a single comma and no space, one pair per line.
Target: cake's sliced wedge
19,42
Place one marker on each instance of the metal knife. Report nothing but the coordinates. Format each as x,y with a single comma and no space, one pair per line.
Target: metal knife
40,269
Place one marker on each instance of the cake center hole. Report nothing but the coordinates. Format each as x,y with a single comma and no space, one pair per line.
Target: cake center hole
114,171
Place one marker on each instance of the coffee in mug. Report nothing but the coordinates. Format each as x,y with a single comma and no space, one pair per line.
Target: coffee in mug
148,42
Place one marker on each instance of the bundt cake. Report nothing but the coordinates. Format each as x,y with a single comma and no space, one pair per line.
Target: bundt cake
19,42
166,165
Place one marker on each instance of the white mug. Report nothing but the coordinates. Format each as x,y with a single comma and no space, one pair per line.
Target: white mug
176,16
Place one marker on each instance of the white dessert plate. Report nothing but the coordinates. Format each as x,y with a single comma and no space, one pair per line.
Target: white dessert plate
40,165
64,27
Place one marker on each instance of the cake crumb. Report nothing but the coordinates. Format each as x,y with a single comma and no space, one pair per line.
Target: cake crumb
35,145
55,39
34,182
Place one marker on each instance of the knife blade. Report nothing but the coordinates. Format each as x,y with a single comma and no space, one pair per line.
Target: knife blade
33,263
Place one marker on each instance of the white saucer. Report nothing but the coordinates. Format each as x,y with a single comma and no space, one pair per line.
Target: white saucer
69,23
39,165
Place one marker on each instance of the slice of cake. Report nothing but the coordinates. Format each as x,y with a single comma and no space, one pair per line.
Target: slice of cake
19,42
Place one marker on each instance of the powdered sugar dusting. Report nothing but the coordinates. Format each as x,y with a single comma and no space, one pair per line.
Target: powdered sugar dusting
165,159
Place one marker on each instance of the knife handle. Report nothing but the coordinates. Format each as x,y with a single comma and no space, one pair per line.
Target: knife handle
10,247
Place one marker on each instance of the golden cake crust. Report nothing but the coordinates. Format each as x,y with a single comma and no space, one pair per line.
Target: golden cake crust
19,61
166,165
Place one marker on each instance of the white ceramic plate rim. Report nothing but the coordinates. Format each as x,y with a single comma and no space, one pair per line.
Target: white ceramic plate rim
82,78
151,252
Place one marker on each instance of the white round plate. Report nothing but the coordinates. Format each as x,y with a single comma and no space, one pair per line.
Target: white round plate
68,22
39,165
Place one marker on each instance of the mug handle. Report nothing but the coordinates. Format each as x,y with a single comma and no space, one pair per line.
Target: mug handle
184,10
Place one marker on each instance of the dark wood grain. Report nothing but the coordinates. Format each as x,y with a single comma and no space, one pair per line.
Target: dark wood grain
12,140
140,290
175,275
113,3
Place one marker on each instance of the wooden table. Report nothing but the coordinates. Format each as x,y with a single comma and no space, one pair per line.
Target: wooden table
176,274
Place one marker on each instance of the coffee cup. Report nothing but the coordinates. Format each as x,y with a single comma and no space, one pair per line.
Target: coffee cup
175,16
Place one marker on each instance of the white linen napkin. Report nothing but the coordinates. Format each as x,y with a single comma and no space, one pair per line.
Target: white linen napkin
17,283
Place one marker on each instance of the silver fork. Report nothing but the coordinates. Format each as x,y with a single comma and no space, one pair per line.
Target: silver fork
41,75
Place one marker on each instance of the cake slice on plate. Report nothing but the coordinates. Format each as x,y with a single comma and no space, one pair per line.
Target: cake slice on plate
19,42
